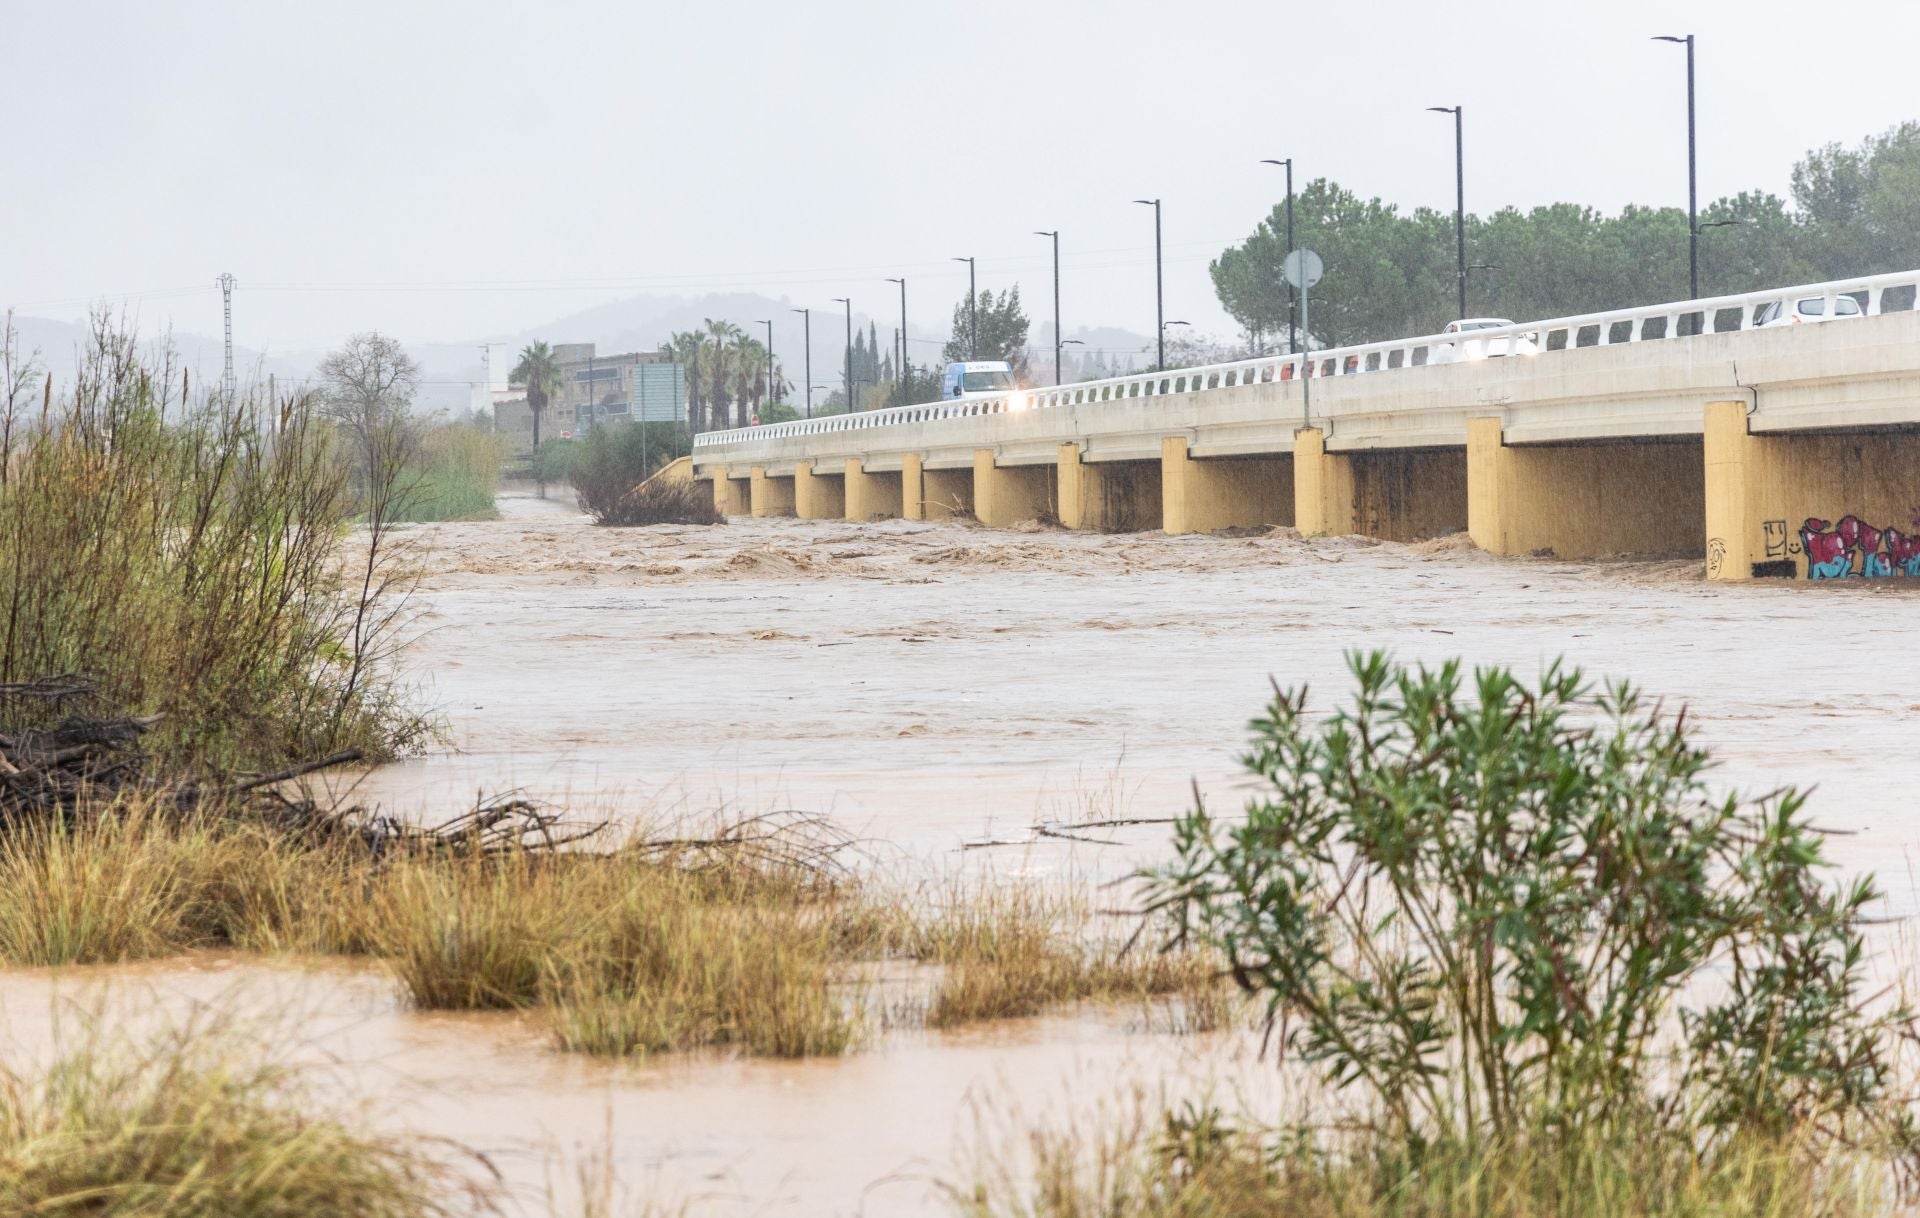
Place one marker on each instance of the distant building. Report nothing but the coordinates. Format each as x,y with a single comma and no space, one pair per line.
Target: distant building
612,390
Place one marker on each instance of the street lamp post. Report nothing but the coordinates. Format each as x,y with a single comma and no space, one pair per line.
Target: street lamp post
1055,235
1293,301
1693,198
773,392
806,322
849,374
973,321
905,373
1459,200
1159,288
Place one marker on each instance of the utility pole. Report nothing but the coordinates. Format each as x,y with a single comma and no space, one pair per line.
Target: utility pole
1159,283
806,323
906,370
973,322
226,282
1055,235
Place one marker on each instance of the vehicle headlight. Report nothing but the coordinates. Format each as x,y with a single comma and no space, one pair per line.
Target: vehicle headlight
1016,401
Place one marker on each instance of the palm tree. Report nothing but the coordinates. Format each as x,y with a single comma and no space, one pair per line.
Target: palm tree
688,349
721,337
539,372
749,377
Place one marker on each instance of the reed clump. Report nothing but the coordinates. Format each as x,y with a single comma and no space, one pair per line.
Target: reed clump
1009,951
184,1127
191,550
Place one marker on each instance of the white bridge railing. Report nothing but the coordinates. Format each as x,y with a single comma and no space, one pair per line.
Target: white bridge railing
1712,315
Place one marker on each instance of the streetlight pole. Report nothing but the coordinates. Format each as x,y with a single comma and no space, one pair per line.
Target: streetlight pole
906,373
773,392
1055,234
1459,199
849,381
1693,196
1159,283
1074,342
1293,300
806,323
973,322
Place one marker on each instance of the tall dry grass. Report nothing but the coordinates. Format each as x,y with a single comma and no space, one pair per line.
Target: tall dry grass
189,551
1195,1163
186,1126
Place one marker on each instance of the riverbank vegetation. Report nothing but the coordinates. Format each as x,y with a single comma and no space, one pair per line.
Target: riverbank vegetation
612,471
193,551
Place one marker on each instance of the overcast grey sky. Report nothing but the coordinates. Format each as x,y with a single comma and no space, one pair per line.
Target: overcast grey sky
447,171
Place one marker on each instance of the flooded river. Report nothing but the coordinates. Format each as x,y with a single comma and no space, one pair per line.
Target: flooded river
935,687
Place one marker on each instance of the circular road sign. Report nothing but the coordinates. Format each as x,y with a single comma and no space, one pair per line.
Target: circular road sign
1303,268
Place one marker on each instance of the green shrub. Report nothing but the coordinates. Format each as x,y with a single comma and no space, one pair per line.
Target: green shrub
1484,908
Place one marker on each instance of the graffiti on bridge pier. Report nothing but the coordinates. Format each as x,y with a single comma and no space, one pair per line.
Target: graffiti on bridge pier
1853,547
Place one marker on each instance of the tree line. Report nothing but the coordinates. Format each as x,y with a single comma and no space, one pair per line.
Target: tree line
1853,211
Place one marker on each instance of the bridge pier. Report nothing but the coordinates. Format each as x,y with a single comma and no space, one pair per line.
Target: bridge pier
1584,500
731,496
1108,496
913,490
1201,495
874,496
1322,486
1005,495
818,496
1809,504
770,496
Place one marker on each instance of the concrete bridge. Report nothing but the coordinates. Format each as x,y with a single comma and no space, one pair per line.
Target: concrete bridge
1678,429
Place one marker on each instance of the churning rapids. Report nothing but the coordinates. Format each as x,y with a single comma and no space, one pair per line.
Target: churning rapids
946,692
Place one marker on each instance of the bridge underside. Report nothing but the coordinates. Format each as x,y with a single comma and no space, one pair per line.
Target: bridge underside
1812,503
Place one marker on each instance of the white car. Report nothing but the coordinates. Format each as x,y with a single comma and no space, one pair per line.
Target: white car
1806,310
1482,348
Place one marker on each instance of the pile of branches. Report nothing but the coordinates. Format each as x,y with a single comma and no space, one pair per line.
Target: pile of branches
83,763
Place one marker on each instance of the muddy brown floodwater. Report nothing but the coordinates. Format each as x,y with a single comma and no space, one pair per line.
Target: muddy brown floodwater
936,686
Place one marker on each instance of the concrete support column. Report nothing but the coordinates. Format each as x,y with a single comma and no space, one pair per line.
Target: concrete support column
1809,505
913,494
1110,496
769,496
1731,456
730,495
1004,496
817,496
1200,496
871,496
946,493
1584,500
1322,487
